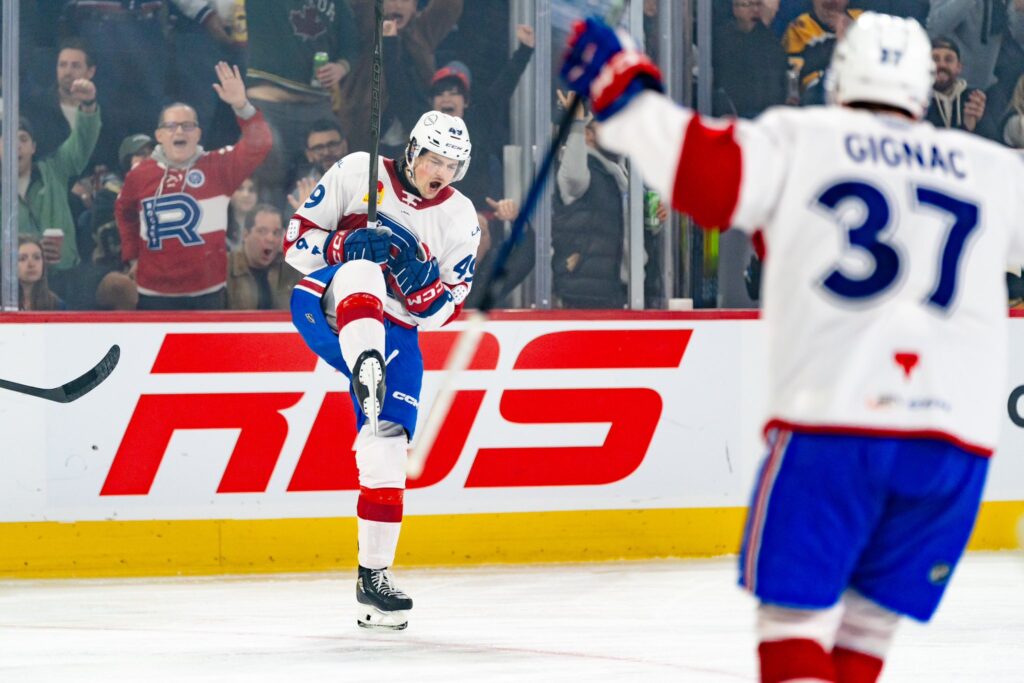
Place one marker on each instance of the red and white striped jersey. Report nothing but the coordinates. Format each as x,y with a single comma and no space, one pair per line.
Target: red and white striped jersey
886,243
174,219
446,224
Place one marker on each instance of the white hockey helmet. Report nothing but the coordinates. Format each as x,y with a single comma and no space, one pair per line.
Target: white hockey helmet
444,134
884,60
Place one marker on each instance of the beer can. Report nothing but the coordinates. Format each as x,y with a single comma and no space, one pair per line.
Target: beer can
320,59
651,203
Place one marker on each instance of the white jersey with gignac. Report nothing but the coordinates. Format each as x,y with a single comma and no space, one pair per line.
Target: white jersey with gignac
886,243
446,224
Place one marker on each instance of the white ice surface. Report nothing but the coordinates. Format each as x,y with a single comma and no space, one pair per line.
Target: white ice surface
670,620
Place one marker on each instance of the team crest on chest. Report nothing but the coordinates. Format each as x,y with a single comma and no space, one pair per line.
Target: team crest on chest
195,178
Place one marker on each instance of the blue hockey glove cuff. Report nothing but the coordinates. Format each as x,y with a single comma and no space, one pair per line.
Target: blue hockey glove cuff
370,243
606,67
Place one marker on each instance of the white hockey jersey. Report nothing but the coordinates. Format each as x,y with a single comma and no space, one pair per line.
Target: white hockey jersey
446,224
886,243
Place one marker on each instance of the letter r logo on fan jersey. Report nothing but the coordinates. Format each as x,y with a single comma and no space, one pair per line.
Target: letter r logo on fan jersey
171,216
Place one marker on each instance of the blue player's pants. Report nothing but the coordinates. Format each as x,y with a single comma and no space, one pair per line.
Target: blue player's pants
404,376
888,517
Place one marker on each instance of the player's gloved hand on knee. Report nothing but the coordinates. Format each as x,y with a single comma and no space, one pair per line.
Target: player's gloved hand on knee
371,243
418,281
605,66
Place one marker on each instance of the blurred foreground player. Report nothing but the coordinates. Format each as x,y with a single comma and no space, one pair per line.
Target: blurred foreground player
367,291
884,303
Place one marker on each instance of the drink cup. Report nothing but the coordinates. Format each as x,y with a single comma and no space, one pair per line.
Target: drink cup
53,240
320,60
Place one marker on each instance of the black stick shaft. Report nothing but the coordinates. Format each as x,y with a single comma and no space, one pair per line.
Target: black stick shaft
378,47
498,270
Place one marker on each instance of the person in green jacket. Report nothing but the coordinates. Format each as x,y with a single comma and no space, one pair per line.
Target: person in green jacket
43,183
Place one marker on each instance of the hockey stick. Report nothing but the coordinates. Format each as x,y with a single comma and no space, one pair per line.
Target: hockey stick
371,193
466,343
378,48
76,388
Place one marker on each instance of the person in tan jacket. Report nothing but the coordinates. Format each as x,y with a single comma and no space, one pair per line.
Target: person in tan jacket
258,277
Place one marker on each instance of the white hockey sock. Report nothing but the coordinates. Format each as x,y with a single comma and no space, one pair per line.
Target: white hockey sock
358,292
378,542
359,336
381,462
866,626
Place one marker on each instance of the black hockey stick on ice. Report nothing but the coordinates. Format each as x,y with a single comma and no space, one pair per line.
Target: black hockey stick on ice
76,388
466,343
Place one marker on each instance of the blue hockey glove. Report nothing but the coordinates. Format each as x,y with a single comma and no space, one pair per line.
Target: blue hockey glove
606,67
419,282
370,243
406,246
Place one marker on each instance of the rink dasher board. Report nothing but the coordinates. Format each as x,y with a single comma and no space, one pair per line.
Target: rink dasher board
221,445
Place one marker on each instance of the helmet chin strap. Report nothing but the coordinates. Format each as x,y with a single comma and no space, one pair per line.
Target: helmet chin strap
405,176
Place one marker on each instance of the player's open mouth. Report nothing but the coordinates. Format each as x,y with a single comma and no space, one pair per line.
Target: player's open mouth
448,109
435,185
267,253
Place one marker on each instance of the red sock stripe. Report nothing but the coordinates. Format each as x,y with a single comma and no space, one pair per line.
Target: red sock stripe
380,505
795,659
856,667
359,305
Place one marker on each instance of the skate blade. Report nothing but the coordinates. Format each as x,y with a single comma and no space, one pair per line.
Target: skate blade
369,408
377,620
370,375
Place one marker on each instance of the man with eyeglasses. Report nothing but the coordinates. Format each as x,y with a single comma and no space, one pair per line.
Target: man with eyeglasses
324,146
172,212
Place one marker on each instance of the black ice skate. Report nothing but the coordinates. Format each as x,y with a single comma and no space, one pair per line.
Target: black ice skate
368,383
381,604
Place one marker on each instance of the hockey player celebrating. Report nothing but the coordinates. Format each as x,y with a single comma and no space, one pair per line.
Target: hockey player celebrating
884,305
366,292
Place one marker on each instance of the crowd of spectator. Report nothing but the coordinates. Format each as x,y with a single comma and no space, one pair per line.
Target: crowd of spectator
977,52
164,143
775,52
